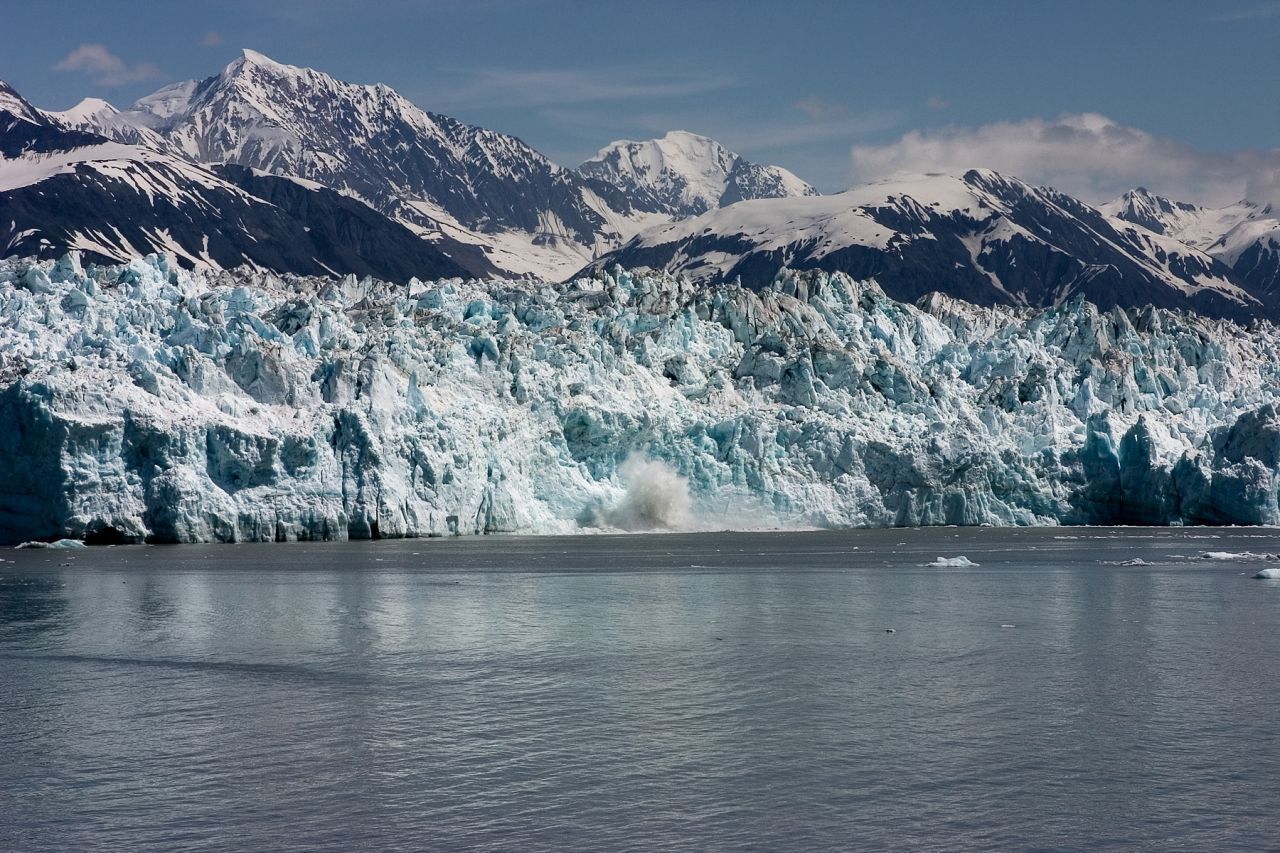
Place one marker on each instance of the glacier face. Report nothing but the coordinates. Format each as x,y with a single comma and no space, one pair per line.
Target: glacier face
145,402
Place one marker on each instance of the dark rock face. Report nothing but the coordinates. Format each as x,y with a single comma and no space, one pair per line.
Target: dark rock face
1258,269
114,202
1245,235
1014,245
356,237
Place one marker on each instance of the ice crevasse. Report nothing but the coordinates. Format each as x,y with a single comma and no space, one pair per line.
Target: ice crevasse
143,402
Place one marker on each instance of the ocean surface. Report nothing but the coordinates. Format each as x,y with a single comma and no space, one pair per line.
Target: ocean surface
786,691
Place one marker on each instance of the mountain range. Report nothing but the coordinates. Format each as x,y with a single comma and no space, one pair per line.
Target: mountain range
288,169
981,236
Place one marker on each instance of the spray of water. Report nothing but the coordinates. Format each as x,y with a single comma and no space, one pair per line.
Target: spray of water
657,498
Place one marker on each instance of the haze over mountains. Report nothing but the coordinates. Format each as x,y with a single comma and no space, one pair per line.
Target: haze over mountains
288,169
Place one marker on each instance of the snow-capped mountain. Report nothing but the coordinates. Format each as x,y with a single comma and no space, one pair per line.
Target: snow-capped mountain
1245,236
1186,222
1252,250
450,181
16,105
488,204
64,189
981,236
683,174
441,176
148,403
94,115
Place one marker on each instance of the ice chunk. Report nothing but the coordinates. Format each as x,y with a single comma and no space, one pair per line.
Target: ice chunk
951,563
1269,574
60,544
1230,555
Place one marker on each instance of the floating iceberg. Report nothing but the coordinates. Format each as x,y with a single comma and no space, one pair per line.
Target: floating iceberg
951,563
146,403
1229,555
59,544
1268,575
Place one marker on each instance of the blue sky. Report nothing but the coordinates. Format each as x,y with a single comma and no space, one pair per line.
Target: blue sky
835,91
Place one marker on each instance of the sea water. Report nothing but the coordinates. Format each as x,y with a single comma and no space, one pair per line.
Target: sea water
714,691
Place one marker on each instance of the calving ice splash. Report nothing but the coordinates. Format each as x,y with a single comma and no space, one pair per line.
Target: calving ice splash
149,403
657,498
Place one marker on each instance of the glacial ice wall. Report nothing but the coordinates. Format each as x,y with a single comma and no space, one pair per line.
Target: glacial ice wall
147,403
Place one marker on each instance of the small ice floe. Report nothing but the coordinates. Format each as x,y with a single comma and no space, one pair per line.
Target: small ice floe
1135,561
890,630
62,544
951,563
1008,625
1268,575
1230,555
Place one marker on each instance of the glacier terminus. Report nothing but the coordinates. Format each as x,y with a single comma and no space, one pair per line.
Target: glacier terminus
151,403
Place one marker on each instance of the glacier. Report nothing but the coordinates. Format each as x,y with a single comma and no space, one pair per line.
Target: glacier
143,402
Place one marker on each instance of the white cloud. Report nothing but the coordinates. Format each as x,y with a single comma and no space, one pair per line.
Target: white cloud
547,87
1248,13
819,110
105,67
1085,154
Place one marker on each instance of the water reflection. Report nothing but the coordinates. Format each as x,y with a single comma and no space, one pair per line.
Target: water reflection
630,693
30,605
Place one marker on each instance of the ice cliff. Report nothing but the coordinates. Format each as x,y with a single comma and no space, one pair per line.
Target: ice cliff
142,402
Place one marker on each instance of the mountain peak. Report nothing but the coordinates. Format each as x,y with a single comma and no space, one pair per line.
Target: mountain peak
686,137
12,102
685,174
248,56
685,134
85,111
1154,212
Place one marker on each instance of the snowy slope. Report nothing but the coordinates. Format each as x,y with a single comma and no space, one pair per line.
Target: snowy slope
452,182
94,115
66,189
980,236
478,185
683,174
16,105
1191,224
1245,236
147,402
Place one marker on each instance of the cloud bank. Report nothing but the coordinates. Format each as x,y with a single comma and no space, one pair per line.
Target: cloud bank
1086,154
105,67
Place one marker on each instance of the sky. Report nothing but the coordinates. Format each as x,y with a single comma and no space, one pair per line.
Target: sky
1091,97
